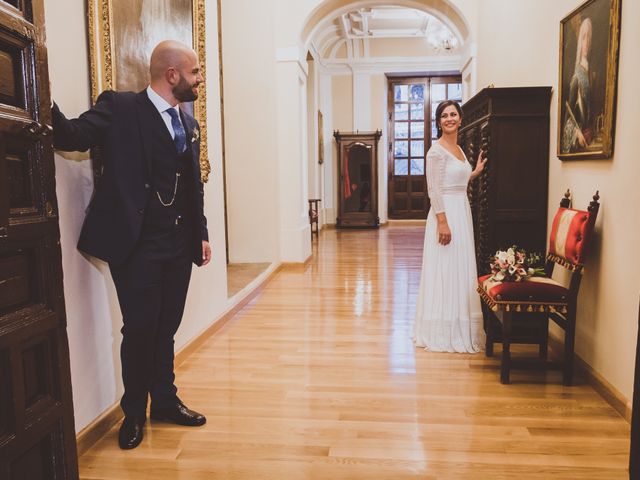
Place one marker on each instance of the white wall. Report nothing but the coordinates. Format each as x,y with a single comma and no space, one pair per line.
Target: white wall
608,302
93,314
250,130
378,102
341,97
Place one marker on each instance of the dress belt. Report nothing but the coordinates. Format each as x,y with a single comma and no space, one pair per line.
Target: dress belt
454,189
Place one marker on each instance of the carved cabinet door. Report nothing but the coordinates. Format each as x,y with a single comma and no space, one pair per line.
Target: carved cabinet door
37,438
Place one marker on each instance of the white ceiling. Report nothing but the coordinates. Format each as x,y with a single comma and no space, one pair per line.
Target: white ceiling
355,29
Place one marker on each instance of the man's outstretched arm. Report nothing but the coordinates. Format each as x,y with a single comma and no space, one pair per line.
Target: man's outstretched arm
86,131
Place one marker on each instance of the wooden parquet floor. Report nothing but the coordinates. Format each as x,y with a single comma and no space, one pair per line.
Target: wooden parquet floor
239,275
317,378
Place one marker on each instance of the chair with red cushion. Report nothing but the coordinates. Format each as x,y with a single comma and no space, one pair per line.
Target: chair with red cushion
314,215
531,303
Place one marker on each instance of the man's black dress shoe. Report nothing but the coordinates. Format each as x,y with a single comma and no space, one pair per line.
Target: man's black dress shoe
179,414
131,433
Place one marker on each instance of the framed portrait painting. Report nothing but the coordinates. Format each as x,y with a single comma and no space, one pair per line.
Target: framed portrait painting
589,41
122,35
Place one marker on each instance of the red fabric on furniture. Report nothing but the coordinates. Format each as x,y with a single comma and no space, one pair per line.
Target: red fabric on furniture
536,289
570,232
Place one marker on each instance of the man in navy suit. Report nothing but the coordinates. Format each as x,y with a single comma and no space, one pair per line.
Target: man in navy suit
146,220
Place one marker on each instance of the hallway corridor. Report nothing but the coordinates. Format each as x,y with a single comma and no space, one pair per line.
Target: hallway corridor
317,378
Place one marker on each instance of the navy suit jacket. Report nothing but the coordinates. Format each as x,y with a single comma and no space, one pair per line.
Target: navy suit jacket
121,125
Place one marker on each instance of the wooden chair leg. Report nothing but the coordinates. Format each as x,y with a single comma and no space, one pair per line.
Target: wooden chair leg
544,339
505,364
569,340
488,321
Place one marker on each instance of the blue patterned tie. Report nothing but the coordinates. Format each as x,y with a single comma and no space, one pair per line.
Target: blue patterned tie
180,138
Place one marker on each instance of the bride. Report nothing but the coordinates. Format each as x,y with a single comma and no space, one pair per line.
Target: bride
448,315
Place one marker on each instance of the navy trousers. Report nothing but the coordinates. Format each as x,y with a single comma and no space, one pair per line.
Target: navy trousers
152,288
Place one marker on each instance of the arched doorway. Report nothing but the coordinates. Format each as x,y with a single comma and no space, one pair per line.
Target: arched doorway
357,48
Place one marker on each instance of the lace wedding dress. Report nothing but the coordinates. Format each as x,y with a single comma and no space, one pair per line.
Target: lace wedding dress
448,314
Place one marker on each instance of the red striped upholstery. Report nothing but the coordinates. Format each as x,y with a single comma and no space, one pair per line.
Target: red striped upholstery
535,289
570,233
520,311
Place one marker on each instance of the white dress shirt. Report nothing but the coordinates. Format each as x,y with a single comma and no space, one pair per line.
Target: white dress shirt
162,105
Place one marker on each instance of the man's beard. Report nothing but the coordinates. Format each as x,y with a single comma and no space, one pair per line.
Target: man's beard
183,91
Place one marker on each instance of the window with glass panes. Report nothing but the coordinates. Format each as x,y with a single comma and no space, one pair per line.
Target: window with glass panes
408,152
412,104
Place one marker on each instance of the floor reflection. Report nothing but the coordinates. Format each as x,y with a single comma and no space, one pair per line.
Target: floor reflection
317,378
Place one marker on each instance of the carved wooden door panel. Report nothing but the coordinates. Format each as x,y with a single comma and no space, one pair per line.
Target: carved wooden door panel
408,102
37,438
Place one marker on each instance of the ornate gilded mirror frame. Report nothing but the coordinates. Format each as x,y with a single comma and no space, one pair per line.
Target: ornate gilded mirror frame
104,62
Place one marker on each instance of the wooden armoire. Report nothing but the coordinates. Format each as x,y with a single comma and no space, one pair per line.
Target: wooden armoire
509,200
357,179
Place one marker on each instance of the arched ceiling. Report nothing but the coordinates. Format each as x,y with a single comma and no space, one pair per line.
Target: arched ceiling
379,30
326,12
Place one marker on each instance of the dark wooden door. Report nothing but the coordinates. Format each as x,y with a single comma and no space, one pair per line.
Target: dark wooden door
37,438
408,103
412,104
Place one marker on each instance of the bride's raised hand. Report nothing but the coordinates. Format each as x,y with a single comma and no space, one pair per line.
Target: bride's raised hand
482,160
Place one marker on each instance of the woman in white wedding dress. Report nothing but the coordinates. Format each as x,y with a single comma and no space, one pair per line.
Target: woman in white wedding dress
448,314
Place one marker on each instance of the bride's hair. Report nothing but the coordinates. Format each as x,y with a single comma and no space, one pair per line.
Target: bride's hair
441,107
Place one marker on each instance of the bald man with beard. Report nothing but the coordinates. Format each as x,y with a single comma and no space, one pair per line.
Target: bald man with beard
146,221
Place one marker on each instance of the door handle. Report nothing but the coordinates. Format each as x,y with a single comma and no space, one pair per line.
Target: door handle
32,128
37,130
45,130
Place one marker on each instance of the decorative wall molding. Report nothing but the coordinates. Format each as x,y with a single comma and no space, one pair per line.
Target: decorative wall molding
293,55
409,65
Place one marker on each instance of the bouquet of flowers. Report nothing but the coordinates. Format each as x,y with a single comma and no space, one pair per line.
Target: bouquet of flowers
514,265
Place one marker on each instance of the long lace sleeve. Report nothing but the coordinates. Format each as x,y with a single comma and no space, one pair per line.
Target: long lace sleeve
435,176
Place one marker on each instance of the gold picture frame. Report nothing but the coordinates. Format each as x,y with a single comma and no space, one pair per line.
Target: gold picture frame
320,138
111,21
587,84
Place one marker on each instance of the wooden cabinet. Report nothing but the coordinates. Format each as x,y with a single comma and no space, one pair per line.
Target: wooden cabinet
357,179
509,201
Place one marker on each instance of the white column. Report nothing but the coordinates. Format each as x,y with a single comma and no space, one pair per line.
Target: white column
312,131
329,183
468,70
292,145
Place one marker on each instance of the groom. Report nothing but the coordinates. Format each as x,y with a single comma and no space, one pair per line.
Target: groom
146,220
